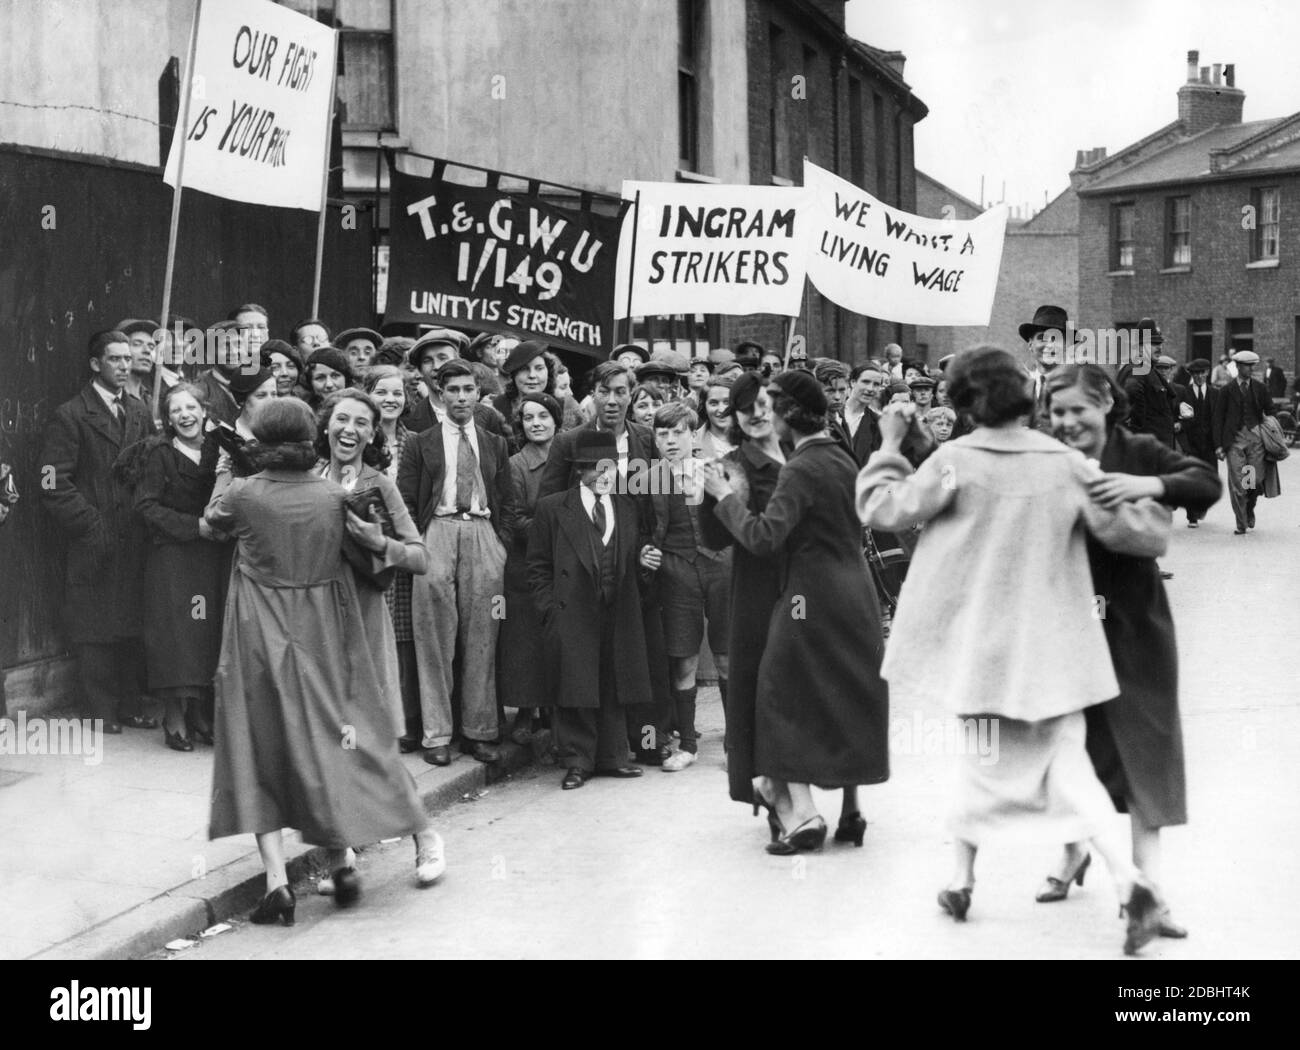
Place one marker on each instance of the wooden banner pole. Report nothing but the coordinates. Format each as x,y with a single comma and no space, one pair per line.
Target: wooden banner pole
631,261
182,129
324,186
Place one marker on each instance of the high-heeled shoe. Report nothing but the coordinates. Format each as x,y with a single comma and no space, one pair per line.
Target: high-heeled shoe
177,742
1169,928
956,902
199,731
773,821
1055,889
810,836
851,829
1143,911
347,887
276,906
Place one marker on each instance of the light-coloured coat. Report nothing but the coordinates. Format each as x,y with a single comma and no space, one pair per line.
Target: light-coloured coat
998,614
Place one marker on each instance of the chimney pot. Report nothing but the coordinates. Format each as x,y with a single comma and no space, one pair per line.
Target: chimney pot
1193,60
1078,158
1205,74
1230,75
1217,68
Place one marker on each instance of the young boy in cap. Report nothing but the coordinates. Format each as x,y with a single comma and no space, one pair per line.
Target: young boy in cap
694,581
583,552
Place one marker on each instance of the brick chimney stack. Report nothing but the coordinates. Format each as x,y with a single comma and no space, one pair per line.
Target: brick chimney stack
1209,99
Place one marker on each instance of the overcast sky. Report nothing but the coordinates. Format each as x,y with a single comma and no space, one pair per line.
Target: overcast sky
1015,87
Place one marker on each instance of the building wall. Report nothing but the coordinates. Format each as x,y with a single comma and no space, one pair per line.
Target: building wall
87,73
1219,285
934,342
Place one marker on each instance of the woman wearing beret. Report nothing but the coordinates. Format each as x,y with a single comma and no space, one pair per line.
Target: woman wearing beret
522,679
304,737
285,363
1019,645
328,370
1135,741
822,708
532,369
185,567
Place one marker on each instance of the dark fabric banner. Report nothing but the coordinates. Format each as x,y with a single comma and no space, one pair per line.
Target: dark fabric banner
495,261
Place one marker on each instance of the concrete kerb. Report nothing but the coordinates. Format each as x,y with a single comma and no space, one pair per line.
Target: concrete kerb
237,887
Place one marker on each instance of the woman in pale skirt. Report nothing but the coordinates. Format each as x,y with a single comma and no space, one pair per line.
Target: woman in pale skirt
1001,576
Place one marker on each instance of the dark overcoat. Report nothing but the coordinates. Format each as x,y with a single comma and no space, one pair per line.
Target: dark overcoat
823,709
1152,407
755,587
1228,411
521,652
1136,740
93,508
563,574
1198,432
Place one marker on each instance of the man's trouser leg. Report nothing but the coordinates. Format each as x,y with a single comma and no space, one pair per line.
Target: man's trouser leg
433,624
480,597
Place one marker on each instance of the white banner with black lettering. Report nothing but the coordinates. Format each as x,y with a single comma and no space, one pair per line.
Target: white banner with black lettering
259,120
876,260
688,248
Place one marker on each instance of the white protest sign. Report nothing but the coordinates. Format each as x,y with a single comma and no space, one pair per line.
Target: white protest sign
260,105
712,249
876,260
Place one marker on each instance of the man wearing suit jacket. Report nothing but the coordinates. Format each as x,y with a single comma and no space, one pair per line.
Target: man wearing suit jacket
1153,403
105,567
583,552
860,425
430,352
1197,431
1241,407
611,391
455,479
1274,379
1045,335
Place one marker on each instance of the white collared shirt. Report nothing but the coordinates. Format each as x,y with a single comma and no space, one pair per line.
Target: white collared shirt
589,503
451,455
113,401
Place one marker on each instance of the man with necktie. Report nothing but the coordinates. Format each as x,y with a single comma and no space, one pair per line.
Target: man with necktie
455,479
1045,337
1241,407
93,507
1197,432
583,551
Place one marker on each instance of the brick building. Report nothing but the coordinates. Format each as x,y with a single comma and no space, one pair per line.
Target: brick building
1188,226
1040,264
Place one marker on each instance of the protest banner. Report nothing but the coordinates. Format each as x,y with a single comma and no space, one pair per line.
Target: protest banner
732,249
261,79
498,261
876,260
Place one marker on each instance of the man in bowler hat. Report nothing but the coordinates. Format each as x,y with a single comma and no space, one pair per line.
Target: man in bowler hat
583,551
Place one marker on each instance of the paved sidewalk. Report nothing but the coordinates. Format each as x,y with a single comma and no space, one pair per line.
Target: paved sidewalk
111,859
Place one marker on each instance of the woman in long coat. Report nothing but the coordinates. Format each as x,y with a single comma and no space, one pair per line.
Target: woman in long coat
823,710
185,568
1135,741
304,738
522,677
751,469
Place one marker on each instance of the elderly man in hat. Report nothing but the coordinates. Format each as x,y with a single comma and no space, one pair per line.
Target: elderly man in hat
430,352
360,345
455,479
1238,412
583,554
1045,336
1197,431
92,506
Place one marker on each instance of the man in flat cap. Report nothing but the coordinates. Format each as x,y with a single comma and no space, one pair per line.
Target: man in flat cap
143,340
1197,431
1240,409
430,352
360,345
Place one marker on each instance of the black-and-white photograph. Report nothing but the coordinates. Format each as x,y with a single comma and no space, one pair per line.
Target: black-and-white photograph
648,480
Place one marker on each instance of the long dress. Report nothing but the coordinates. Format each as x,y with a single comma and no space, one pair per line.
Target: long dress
1135,741
525,677
755,587
184,574
823,709
304,738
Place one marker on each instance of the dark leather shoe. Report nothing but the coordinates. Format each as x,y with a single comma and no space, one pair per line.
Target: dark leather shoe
408,745
574,778
347,887
621,772
177,742
480,750
653,756
138,722
438,756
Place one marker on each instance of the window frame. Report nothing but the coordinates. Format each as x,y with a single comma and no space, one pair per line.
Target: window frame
1175,238
1117,210
1258,243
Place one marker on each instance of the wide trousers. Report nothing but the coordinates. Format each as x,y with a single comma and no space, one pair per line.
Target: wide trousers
595,738
1245,472
455,606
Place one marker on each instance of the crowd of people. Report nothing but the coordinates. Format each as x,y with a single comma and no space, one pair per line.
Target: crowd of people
337,548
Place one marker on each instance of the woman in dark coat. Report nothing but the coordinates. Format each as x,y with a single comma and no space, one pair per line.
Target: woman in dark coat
185,565
521,658
751,469
823,709
1135,741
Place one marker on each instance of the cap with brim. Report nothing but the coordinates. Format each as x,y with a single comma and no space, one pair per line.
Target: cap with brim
721,356
655,370
728,368
593,446
1149,332
1246,357
921,381
629,348
437,337
1198,365
137,324
521,355
801,387
898,388
1165,361
346,336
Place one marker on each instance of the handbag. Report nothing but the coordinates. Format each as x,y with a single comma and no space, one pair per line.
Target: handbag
362,560
1139,529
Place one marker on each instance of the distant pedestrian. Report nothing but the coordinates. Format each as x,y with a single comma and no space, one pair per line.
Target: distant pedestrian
1198,430
1238,413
